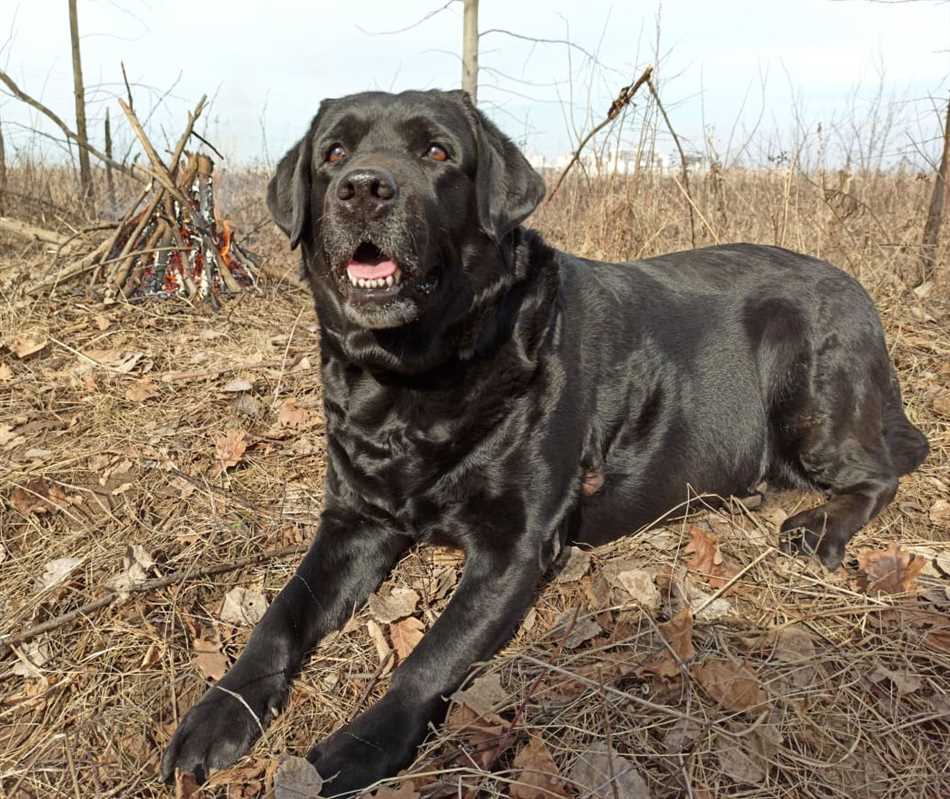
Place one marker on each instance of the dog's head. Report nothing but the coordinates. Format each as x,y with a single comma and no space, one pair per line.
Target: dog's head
402,204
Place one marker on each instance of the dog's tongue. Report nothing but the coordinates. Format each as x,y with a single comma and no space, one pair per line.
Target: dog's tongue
364,271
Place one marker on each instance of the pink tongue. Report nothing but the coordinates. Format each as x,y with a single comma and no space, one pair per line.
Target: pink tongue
363,271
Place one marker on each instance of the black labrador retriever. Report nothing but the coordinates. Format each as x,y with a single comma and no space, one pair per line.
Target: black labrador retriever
486,391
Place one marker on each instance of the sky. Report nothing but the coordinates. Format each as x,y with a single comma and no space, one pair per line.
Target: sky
726,69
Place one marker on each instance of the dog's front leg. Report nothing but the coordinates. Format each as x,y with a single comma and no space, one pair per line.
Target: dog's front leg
346,561
496,589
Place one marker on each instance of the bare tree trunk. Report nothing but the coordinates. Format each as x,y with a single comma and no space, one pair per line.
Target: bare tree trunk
85,172
470,49
110,183
938,199
3,174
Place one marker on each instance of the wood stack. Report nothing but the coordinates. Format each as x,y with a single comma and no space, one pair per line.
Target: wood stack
172,241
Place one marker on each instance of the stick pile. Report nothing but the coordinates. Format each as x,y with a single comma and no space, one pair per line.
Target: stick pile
171,242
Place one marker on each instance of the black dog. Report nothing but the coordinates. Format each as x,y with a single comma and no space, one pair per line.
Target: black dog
487,391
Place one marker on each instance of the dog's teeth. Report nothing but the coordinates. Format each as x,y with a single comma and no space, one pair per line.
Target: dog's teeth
353,280
389,281
362,282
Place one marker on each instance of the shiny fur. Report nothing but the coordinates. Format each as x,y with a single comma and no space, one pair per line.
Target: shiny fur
510,399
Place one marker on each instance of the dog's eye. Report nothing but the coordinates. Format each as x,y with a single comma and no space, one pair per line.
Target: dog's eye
437,153
336,153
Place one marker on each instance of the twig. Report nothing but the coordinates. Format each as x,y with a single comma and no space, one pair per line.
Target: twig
623,99
683,164
143,587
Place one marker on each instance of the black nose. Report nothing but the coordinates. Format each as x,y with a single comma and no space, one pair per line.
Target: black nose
367,191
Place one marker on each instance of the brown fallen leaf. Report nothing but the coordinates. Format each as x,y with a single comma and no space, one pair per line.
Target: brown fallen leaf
889,571
243,606
56,571
237,385
607,775
483,695
295,416
23,346
939,640
733,686
678,633
141,390
481,733
703,550
229,448
576,626
6,373
405,635
578,562
209,658
383,652
406,790
37,496
903,681
296,778
940,513
389,606
638,583
537,775
742,766
942,403
186,785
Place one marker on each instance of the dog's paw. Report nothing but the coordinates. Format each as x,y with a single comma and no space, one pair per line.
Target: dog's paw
220,728
372,747
811,533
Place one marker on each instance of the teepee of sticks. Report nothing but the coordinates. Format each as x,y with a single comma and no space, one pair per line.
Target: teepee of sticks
172,242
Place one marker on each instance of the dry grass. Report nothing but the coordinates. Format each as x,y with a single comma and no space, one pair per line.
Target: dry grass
92,720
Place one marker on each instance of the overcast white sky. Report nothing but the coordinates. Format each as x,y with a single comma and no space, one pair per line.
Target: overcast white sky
268,64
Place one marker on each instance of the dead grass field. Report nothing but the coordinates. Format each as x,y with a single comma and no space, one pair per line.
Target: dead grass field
698,654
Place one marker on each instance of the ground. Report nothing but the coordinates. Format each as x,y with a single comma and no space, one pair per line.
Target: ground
158,440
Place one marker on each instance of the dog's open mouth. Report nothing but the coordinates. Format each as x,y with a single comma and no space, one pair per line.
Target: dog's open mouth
371,270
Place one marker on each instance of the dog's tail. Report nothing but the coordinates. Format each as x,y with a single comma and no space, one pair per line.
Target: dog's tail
908,446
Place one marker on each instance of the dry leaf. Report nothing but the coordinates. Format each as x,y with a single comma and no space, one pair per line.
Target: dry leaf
889,571
678,633
405,635
939,640
382,645
209,658
246,404
6,373
406,790
578,562
904,682
294,416
537,776
229,448
942,403
483,695
737,763
30,659
592,772
56,571
940,513
639,584
32,497
237,385
243,606
141,390
733,686
23,346
186,785
577,626
681,736
135,566
703,549
296,778
482,733
394,605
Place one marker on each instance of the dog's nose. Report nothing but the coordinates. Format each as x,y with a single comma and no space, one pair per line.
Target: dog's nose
370,191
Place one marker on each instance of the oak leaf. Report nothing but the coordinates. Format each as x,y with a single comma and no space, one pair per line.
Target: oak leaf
889,571
405,635
733,686
537,775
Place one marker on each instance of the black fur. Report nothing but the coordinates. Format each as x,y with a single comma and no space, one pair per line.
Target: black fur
510,399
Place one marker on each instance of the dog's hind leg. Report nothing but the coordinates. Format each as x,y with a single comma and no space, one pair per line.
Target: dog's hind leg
842,448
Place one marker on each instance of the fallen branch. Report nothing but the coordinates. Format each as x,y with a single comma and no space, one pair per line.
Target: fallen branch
623,99
31,232
115,598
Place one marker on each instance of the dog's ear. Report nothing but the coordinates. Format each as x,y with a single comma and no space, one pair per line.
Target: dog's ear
288,193
507,187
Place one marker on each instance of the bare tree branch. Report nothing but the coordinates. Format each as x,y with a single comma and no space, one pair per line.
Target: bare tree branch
415,24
